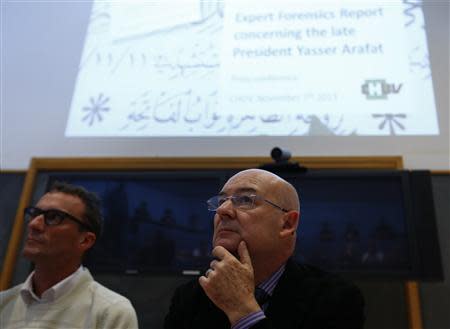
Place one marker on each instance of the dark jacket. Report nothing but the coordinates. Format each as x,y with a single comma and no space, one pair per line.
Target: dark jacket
305,298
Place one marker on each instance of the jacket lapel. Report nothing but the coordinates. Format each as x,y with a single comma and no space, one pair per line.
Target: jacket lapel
288,306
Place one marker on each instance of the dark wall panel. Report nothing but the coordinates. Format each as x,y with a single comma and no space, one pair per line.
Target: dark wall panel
436,295
10,190
385,305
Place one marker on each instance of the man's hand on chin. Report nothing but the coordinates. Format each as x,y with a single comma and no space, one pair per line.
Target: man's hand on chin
229,283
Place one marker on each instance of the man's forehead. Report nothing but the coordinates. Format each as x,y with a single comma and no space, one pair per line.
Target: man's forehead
238,190
56,195
60,200
246,181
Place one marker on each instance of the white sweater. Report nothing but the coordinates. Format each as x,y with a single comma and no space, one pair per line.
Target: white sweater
86,305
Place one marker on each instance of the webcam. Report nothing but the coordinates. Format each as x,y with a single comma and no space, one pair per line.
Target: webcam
282,163
279,155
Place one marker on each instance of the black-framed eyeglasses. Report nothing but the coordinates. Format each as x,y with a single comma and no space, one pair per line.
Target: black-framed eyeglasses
243,201
52,217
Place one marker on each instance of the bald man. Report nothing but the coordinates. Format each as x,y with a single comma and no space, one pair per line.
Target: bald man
253,281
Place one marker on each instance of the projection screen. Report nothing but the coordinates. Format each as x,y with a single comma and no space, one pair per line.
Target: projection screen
225,79
245,68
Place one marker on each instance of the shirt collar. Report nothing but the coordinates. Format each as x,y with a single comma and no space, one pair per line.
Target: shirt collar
269,285
53,293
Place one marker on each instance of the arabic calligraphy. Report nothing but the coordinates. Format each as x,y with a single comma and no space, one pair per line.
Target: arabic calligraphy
200,114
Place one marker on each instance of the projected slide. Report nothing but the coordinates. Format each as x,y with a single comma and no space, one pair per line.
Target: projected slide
246,68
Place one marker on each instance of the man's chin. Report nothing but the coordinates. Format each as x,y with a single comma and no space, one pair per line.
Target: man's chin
30,253
229,245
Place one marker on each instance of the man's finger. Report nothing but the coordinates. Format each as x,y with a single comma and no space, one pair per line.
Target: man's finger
244,255
208,271
213,264
202,281
220,252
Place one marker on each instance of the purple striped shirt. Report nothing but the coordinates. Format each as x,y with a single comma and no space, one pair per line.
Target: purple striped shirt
268,286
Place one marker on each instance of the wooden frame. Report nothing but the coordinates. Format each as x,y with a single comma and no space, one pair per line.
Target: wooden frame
140,164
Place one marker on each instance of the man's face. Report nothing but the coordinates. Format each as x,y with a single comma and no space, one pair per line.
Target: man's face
60,242
258,227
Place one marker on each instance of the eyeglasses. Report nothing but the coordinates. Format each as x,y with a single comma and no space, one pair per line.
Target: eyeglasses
52,217
243,201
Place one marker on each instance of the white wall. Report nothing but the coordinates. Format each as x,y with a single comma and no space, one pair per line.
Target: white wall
41,49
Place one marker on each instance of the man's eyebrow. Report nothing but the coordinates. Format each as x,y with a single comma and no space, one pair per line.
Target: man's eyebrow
240,190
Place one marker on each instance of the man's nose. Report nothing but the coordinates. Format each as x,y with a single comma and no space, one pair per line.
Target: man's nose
226,208
37,223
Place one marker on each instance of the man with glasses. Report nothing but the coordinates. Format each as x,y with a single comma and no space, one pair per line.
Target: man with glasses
60,292
253,281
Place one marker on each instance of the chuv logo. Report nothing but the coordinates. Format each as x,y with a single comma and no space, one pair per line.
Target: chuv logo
379,89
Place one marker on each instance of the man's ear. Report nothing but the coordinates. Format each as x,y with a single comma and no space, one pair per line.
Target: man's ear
87,240
290,223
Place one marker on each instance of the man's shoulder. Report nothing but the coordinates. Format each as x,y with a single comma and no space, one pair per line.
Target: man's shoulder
313,274
316,283
190,288
106,295
117,310
103,296
319,299
9,294
11,291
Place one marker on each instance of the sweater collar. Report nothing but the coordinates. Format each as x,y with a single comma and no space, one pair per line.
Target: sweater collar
53,293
